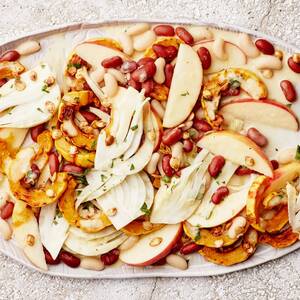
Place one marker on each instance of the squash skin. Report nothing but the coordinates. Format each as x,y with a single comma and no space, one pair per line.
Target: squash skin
136,228
282,239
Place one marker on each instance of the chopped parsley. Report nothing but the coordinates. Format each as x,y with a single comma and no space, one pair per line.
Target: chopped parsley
43,66
76,65
145,209
112,164
197,236
94,144
289,105
132,167
297,156
45,88
39,109
103,177
82,180
135,127
166,179
235,84
184,94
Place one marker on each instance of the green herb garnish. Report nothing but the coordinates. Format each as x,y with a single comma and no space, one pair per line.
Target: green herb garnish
132,167
39,109
235,84
185,93
94,144
103,177
297,156
135,127
45,88
166,179
145,209
197,236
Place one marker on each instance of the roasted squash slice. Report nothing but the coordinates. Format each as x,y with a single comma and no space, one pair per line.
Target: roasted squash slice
110,43
282,239
136,227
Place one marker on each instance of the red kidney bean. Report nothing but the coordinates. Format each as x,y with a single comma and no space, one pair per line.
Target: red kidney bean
136,85
112,62
184,35
264,46
178,173
53,163
188,145
275,164
231,92
144,72
257,137
71,168
288,90
216,165
167,52
36,131
189,248
89,116
169,171
177,246
2,81
10,55
49,258
219,194
293,65
7,210
128,66
205,57
69,259
148,86
164,30
144,60
110,257
171,136
241,171
169,70
201,125
196,135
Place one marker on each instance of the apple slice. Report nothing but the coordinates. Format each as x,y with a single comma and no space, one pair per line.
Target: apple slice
157,126
15,136
185,86
153,246
267,111
237,148
235,56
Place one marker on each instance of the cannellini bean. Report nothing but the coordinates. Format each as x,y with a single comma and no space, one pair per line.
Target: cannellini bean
187,125
156,105
246,44
119,76
286,156
152,164
5,230
236,227
159,75
200,114
98,74
110,84
129,243
177,261
28,47
176,158
200,33
218,48
268,62
144,40
137,29
92,263
126,43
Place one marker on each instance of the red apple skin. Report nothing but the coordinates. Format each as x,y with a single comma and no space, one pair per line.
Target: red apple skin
159,131
163,253
268,101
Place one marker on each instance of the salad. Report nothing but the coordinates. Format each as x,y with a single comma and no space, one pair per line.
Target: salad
148,146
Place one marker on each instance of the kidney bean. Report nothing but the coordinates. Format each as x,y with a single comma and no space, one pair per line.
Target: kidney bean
172,136
53,163
257,137
169,70
241,171
112,62
205,57
136,85
216,165
148,86
144,72
89,116
189,248
288,90
69,259
49,258
188,145
110,257
219,194
144,60
231,92
71,168
167,52
275,164
201,125
264,46
164,30
293,65
7,210
11,55
184,35
36,131
169,171
128,66
177,246
2,81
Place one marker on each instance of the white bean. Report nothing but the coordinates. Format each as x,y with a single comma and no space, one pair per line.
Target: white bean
110,84
144,40
28,47
138,29
187,125
91,263
200,114
152,164
236,227
159,75
120,77
129,243
98,74
5,230
268,62
218,48
158,108
177,261
200,33
246,44
286,156
126,43
176,158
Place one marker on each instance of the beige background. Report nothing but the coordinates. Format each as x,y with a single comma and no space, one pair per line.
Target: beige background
274,280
